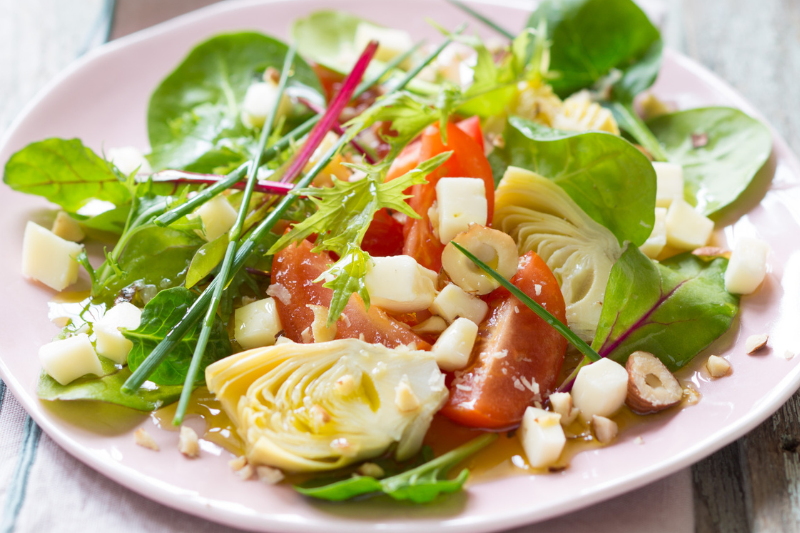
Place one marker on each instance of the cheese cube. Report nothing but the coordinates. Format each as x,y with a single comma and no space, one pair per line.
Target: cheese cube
399,284
454,347
686,228
600,388
392,42
658,238
460,202
110,341
218,217
747,266
669,183
127,159
48,258
258,102
67,228
542,437
257,324
67,360
454,302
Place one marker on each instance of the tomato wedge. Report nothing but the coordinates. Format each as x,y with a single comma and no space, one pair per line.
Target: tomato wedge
472,127
517,356
467,161
384,237
294,269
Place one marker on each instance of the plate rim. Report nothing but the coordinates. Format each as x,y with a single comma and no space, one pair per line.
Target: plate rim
202,507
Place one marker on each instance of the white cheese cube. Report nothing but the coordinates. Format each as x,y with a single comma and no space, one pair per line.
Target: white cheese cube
747,266
127,159
258,102
600,388
669,183
218,217
110,341
48,258
460,202
392,42
67,360
454,302
453,347
67,228
400,284
686,228
257,324
542,437
658,238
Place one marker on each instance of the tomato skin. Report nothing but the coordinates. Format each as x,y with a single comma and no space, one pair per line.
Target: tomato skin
472,127
467,161
295,268
384,237
491,394
405,161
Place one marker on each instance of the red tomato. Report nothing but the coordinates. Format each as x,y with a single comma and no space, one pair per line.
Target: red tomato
295,268
405,161
467,161
515,350
472,127
384,237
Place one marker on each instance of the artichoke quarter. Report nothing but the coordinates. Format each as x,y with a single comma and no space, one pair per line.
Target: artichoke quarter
318,407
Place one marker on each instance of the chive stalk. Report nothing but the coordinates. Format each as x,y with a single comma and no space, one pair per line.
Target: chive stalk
492,24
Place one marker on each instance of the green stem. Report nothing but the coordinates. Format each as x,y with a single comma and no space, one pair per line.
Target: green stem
629,121
492,24
534,306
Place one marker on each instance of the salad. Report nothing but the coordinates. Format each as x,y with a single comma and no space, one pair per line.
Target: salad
373,257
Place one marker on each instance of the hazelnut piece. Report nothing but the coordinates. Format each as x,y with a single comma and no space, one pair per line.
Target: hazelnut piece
651,386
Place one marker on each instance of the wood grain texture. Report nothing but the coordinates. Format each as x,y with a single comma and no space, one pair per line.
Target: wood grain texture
753,484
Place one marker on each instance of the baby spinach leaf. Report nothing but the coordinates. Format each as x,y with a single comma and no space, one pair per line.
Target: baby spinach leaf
604,174
591,37
107,389
159,316
206,259
673,309
419,485
716,174
194,116
65,172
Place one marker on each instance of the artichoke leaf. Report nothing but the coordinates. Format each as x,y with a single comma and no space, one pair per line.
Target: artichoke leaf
541,217
319,407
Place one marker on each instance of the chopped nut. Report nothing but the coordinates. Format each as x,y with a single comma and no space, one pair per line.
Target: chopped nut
245,473
238,463
561,403
371,470
345,385
691,395
272,74
651,386
499,141
755,342
604,428
188,443
269,475
405,399
712,251
143,439
276,290
788,354
717,366
638,440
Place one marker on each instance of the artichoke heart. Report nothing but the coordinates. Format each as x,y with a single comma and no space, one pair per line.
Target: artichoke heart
541,217
322,406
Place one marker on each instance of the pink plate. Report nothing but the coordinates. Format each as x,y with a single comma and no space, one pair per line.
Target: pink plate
102,99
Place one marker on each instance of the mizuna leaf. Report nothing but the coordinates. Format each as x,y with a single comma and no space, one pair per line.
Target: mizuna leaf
672,309
159,316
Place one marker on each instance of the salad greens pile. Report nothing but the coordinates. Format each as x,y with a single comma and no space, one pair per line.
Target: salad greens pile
158,258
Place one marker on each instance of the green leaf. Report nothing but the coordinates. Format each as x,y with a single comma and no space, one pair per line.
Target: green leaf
612,181
328,38
419,485
589,38
111,221
672,309
206,259
716,174
159,316
65,172
193,120
107,389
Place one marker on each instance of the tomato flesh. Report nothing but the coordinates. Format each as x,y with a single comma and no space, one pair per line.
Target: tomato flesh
516,351
384,237
295,268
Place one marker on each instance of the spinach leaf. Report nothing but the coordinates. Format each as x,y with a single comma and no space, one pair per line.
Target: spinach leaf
65,172
159,316
591,37
672,309
612,181
419,485
194,116
205,260
328,38
715,174
107,389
